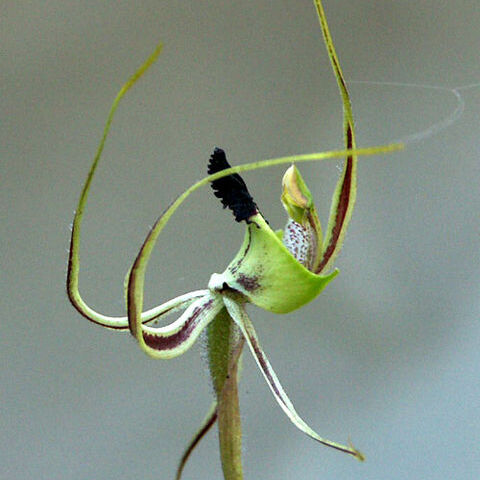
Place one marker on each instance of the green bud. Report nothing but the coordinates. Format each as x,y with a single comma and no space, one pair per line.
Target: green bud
296,196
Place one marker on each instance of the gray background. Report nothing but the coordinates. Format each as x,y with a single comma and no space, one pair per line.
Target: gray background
388,354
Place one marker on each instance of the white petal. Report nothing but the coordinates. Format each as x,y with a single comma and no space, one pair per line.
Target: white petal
239,315
176,338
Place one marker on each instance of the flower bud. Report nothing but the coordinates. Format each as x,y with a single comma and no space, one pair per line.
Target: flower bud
296,196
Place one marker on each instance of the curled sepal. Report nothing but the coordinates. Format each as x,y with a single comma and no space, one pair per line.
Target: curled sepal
344,196
73,269
176,338
267,274
237,312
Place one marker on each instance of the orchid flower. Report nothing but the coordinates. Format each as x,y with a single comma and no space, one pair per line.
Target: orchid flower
277,271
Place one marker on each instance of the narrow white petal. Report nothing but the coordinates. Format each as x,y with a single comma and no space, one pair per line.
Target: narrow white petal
174,339
240,317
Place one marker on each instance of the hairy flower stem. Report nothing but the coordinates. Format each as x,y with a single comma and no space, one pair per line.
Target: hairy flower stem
229,428
225,345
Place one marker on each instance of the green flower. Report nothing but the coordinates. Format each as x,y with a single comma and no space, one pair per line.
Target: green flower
277,271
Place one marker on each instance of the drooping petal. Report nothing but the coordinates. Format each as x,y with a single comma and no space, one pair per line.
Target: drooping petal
239,315
176,338
207,423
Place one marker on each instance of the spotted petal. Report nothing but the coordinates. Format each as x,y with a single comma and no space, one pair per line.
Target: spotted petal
239,315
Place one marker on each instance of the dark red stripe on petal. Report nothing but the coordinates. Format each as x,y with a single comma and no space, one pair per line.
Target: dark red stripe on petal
342,207
210,421
264,365
169,342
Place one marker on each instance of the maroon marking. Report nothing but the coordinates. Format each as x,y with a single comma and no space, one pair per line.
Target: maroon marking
233,269
170,342
300,241
250,284
342,207
264,366
210,422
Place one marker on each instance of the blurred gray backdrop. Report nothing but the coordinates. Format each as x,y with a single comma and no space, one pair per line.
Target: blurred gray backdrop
388,354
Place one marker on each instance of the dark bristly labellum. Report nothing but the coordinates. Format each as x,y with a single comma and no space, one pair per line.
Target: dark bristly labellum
231,190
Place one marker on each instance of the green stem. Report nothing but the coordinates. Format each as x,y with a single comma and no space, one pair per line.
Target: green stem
225,344
229,428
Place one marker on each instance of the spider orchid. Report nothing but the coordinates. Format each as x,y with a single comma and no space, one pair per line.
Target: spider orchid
277,271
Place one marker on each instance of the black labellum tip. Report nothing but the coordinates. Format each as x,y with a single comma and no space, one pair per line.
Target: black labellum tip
231,190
